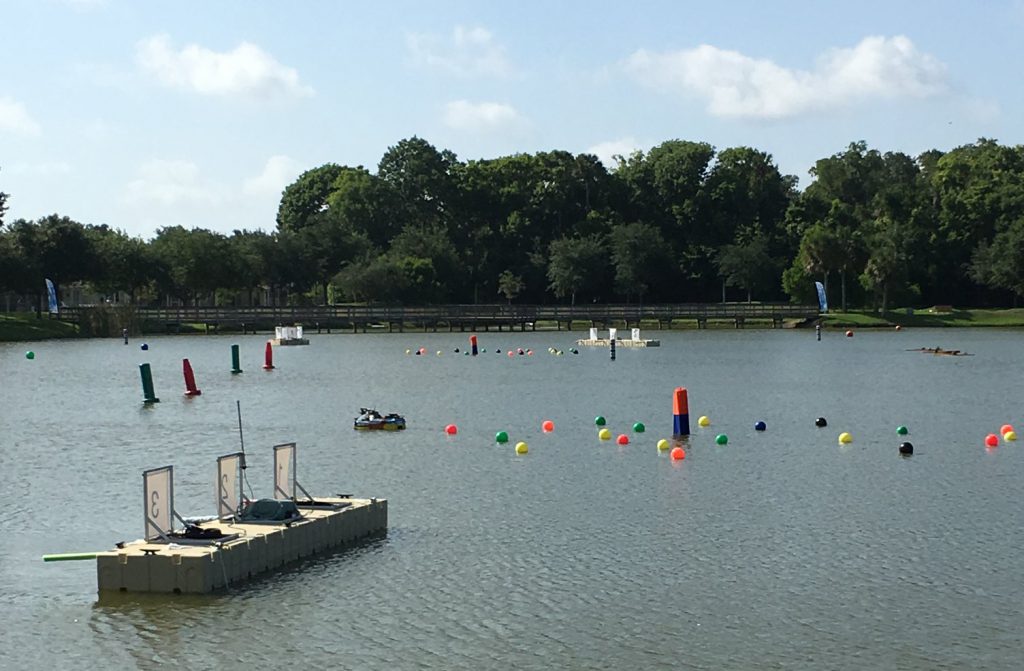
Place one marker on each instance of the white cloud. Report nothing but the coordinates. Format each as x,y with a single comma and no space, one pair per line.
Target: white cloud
736,85
608,150
15,119
279,172
470,52
245,70
480,117
167,183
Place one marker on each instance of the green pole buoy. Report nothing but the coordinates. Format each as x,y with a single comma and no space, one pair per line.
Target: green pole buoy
147,384
235,368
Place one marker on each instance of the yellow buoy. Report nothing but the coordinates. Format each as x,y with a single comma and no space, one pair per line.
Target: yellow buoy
845,438
704,421
522,448
1010,435
663,445
604,434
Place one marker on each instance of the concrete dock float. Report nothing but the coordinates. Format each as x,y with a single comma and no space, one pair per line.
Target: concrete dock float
246,549
604,342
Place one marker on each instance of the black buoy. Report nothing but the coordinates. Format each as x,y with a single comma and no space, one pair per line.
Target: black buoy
821,421
906,449
456,350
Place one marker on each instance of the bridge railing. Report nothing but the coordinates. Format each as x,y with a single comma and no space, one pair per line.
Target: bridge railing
467,313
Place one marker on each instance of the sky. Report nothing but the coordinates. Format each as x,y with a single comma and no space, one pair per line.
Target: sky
141,115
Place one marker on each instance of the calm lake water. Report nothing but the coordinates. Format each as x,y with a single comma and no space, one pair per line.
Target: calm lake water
780,550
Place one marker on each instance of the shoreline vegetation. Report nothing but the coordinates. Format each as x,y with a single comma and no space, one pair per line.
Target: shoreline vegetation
15,327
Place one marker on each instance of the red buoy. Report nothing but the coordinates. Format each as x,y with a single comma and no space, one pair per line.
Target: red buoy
190,379
268,358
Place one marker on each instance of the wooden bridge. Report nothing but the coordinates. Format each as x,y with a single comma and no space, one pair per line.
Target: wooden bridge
454,317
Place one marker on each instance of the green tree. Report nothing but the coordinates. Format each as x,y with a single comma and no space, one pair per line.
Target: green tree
65,252
744,190
123,264
639,256
510,285
665,188
747,264
576,265
330,243
1000,264
980,192
306,196
366,205
194,262
886,267
423,180
19,270
431,263
372,279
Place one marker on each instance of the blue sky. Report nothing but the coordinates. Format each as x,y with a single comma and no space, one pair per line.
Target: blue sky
140,115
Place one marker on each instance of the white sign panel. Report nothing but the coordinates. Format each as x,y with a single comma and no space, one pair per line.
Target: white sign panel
158,493
636,335
229,485
611,333
284,471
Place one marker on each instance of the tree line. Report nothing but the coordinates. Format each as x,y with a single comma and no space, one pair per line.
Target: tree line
681,222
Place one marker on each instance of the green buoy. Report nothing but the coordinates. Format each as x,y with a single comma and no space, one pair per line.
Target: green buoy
599,420
235,368
149,396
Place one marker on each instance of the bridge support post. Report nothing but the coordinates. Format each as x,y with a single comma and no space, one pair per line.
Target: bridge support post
702,323
739,322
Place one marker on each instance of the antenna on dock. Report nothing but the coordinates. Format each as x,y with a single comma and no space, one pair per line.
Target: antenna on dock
241,439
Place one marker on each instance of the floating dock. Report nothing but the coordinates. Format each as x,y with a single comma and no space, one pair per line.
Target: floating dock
289,335
243,540
253,549
634,341
604,342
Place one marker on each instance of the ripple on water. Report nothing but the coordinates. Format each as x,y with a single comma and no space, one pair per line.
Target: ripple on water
779,550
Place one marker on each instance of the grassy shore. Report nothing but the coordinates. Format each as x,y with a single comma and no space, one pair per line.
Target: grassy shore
25,326
924,317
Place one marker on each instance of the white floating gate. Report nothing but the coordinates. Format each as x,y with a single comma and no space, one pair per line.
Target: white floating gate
158,503
285,483
229,485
